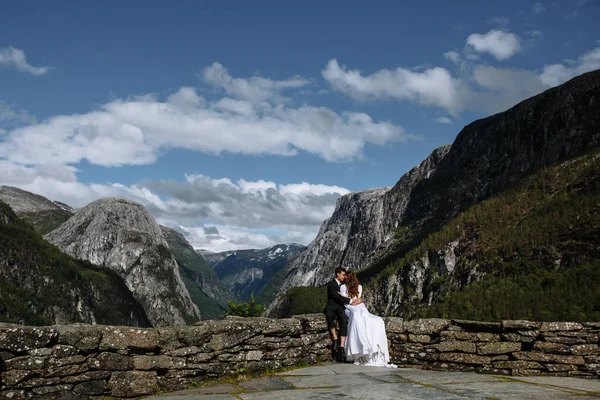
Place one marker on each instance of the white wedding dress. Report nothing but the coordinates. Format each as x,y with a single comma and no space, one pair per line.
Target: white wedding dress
366,343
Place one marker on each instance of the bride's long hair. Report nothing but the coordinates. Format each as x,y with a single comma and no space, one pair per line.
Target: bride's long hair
352,284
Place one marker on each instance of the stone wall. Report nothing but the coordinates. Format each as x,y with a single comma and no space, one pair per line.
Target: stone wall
92,361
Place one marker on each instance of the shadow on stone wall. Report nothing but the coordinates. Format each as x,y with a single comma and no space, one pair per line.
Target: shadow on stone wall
89,361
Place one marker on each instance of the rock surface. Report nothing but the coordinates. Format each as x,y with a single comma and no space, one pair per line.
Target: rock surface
43,214
205,288
41,285
122,235
361,226
245,272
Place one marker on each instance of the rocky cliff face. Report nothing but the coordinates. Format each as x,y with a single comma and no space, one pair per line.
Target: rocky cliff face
44,215
488,156
361,226
39,285
205,288
246,272
122,235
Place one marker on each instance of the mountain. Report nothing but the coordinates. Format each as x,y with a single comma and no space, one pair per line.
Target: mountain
531,252
362,225
122,235
488,157
246,272
43,214
40,285
200,279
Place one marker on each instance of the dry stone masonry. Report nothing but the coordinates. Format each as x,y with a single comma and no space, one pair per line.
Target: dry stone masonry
93,361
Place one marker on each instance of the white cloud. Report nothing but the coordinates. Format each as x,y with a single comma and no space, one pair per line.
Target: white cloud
555,74
134,131
255,89
538,8
216,214
443,120
432,87
15,58
475,87
11,116
502,45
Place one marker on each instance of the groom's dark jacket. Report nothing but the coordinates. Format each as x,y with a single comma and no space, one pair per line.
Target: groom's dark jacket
335,300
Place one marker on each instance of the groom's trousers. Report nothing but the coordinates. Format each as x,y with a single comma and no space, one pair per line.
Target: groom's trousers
340,313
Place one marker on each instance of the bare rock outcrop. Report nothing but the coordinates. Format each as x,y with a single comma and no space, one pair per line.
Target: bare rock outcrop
122,235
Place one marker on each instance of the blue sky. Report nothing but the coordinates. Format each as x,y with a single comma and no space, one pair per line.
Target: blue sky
240,123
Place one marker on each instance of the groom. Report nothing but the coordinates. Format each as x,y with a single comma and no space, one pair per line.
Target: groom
335,308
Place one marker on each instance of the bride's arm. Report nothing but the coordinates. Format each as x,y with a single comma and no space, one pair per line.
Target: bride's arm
344,291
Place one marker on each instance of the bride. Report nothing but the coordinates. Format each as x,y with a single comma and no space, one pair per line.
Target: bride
367,341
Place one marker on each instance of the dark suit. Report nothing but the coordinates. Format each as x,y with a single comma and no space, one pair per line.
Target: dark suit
335,307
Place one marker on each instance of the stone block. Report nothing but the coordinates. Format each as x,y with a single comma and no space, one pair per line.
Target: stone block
26,338
312,322
419,338
281,327
95,388
498,347
60,362
254,355
133,383
14,394
184,351
548,358
25,363
64,350
83,337
43,352
486,369
520,325
14,376
553,338
526,372
465,358
426,326
394,325
585,349
64,370
561,367
487,337
455,346
458,335
549,347
111,362
87,376
147,363
561,326
52,389
515,337
124,338
517,364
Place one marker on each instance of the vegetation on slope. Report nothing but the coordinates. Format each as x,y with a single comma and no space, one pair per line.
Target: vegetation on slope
46,221
40,285
531,252
536,247
198,275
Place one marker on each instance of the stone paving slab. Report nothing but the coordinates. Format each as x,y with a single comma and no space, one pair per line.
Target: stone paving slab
310,371
329,380
266,383
588,385
349,381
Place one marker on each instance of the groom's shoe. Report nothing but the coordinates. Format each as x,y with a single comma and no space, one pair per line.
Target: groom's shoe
341,355
336,344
